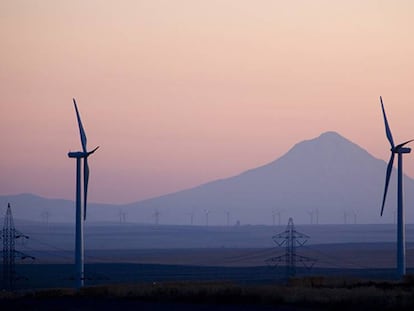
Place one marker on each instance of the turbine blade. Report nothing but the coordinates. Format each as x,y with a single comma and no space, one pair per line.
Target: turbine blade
387,127
81,130
402,145
85,185
90,152
387,180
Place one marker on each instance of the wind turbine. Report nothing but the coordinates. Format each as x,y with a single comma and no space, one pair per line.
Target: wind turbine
80,213
156,217
311,216
206,212
400,150
279,215
191,217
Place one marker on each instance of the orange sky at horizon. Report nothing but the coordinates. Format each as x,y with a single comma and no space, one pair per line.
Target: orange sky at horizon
178,93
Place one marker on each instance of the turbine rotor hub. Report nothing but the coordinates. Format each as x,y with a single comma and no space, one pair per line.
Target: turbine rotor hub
401,150
77,154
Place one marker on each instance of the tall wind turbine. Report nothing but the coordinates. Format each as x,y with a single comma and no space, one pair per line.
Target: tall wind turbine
400,150
80,213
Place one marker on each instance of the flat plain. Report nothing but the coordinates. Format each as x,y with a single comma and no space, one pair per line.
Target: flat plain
117,253
158,267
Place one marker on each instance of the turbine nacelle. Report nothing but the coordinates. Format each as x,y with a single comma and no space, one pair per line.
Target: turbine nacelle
81,154
77,154
401,150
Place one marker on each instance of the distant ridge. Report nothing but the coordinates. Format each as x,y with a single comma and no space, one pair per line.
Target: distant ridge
328,174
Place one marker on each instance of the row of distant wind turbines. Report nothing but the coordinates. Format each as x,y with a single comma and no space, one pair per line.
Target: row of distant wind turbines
81,212
349,217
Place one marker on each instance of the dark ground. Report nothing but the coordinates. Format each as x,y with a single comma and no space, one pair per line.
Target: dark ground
361,252
61,276
86,304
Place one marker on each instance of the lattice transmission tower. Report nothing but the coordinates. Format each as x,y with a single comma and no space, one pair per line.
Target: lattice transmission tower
291,239
9,237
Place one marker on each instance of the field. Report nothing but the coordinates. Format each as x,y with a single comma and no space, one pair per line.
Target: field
299,294
143,253
124,257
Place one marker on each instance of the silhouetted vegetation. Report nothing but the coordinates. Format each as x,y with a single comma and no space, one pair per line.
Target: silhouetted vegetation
310,292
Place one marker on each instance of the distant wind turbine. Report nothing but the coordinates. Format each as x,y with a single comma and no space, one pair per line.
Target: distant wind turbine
400,150
345,217
311,214
314,216
355,217
80,214
157,217
122,216
279,215
206,213
191,214
45,217
192,217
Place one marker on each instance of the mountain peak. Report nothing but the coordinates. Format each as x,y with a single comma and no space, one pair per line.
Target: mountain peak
330,134
326,141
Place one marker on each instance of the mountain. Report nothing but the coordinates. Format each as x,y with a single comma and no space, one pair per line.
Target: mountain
31,207
328,175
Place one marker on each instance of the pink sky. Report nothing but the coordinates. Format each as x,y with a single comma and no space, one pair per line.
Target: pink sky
182,92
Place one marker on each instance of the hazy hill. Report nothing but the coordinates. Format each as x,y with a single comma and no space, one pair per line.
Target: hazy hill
328,174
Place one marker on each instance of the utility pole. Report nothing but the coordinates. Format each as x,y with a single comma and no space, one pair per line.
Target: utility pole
9,236
291,239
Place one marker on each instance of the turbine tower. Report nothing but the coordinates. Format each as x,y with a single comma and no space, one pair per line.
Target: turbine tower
399,150
80,213
191,217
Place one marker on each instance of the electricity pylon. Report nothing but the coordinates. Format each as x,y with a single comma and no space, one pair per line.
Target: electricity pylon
9,236
291,239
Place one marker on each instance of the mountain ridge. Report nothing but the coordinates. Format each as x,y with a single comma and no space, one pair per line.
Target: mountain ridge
328,175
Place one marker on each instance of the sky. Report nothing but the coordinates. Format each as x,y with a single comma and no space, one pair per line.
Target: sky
179,93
